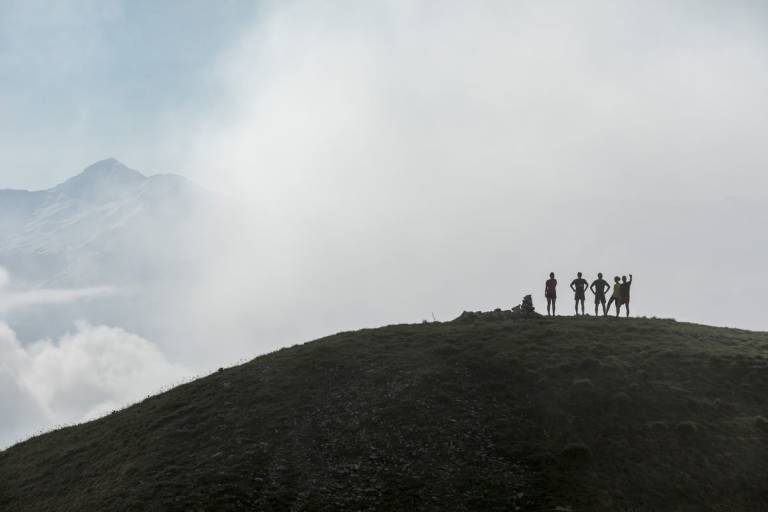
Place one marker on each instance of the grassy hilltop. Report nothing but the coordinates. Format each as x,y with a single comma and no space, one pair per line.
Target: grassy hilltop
581,414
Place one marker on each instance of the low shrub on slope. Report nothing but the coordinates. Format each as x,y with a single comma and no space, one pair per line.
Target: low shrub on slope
590,414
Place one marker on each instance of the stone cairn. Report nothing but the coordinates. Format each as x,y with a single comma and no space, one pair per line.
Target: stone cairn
524,310
525,307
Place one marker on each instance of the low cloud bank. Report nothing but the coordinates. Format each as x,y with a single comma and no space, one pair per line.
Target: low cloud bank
13,299
81,376
47,296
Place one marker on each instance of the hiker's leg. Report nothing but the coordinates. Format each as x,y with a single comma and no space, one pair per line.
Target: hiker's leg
554,301
576,306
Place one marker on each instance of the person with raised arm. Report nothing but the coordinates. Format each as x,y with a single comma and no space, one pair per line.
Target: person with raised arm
625,292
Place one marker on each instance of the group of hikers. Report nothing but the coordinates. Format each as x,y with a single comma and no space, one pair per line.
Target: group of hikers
599,288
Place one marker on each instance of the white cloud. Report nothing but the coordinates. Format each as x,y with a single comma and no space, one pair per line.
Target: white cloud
83,375
437,103
409,157
48,296
4,278
14,299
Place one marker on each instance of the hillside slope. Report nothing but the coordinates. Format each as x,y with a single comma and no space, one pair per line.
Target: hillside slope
538,414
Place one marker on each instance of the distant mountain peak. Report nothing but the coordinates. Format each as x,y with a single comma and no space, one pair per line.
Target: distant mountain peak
103,177
110,168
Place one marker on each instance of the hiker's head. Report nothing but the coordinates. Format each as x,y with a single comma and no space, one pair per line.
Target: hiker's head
616,279
578,274
599,275
552,275
624,278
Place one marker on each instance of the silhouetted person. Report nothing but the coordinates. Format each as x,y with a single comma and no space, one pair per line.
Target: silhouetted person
550,292
600,287
616,297
579,287
625,291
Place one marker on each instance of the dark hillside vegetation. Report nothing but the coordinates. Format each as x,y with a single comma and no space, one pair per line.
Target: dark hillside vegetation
587,414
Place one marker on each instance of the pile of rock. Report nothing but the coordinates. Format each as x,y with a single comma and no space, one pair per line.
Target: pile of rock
526,306
524,310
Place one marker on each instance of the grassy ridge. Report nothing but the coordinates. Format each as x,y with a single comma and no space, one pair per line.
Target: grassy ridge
488,414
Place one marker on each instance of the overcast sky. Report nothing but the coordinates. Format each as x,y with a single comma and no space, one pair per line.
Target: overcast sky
432,138
563,95
405,158
399,144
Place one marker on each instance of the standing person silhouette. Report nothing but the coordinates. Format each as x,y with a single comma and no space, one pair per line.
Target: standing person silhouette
579,286
600,287
616,297
625,291
550,292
